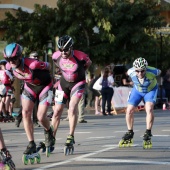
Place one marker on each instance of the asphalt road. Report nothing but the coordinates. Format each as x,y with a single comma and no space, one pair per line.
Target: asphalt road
96,146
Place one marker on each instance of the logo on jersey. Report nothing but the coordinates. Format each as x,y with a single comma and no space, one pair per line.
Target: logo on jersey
68,65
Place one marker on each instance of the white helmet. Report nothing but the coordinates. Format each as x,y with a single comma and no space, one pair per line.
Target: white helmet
140,63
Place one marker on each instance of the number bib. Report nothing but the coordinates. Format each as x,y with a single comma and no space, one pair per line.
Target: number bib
2,89
59,95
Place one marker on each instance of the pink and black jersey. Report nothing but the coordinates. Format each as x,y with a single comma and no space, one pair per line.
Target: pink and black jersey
33,71
72,68
5,77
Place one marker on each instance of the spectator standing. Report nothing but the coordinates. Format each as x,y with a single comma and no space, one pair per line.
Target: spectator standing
107,82
126,80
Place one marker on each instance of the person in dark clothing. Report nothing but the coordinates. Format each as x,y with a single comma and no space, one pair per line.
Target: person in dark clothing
107,82
126,80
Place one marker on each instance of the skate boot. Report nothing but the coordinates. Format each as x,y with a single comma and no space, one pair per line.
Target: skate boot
147,143
30,155
9,118
127,139
41,147
18,120
1,118
7,162
49,141
69,148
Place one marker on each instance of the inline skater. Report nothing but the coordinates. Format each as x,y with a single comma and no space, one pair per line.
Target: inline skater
145,88
37,84
72,64
5,156
6,80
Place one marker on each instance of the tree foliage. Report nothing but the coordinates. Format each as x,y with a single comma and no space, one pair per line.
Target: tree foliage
126,30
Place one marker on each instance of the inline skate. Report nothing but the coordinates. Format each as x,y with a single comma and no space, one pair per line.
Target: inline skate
69,148
6,161
49,141
8,118
30,155
41,147
127,139
147,142
1,118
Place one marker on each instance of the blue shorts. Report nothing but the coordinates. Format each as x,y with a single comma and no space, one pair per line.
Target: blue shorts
136,97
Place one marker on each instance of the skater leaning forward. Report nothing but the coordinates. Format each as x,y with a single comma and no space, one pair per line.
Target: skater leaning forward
72,64
37,84
144,89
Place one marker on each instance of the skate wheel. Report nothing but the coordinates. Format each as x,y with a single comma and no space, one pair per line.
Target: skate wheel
71,150
6,167
121,143
66,150
147,144
52,148
47,151
124,143
25,159
43,150
38,149
38,159
11,165
31,160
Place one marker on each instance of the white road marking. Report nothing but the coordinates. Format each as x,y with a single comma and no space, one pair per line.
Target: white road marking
75,159
84,158
35,133
101,137
44,139
118,146
124,161
124,131
161,135
82,132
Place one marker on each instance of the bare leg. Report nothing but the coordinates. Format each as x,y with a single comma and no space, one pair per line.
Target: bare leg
56,117
130,117
2,143
72,113
149,115
42,116
27,108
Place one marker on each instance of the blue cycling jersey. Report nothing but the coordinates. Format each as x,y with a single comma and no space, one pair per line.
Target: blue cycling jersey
149,81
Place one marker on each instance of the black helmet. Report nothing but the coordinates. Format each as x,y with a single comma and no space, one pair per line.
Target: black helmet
65,42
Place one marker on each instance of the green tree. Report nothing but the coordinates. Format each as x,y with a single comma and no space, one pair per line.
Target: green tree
30,30
126,29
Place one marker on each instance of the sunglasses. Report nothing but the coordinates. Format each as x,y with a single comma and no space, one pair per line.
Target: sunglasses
141,71
65,50
11,59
